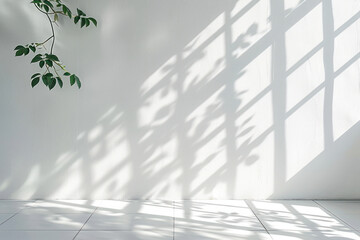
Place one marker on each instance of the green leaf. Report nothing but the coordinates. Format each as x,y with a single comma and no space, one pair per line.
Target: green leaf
76,19
56,17
45,80
26,51
93,21
48,75
83,22
41,63
72,79
36,58
64,9
49,63
69,13
20,52
80,13
48,3
77,81
46,8
87,22
60,82
32,48
35,75
35,81
52,83
53,57
18,47
67,74
36,1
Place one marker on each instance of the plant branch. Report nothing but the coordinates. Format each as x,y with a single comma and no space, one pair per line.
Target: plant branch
45,41
56,12
47,59
52,29
39,9
56,72
47,68
60,66
53,33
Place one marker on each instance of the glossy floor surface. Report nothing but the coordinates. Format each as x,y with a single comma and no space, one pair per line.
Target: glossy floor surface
168,220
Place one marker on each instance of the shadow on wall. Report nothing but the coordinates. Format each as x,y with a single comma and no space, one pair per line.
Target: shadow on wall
191,99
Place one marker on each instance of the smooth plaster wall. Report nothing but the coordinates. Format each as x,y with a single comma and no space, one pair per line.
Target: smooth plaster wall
201,99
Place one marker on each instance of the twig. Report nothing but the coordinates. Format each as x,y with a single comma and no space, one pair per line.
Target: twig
52,29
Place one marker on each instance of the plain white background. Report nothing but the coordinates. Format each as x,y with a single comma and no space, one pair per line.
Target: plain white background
201,99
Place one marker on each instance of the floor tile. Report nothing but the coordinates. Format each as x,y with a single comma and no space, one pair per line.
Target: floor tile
188,234
8,206
341,206
60,206
163,208
123,235
214,206
352,219
37,221
179,220
37,235
226,216
302,222
284,207
128,222
5,216
348,212
315,235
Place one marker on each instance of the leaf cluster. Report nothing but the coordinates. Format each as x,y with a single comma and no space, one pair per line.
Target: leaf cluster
85,21
25,50
48,60
56,7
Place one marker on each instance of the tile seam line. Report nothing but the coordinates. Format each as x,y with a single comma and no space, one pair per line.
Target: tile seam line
333,214
246,201
14,214
84,223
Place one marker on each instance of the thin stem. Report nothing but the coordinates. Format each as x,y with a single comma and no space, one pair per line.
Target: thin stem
52,29
56,72
47,68
53,33
45,41
54,12
60,66
39,9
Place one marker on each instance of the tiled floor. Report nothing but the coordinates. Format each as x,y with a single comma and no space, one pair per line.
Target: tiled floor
180,220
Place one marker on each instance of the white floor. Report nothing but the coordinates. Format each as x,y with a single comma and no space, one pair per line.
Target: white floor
168,220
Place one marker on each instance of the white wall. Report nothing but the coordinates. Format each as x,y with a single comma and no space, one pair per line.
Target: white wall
186,99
